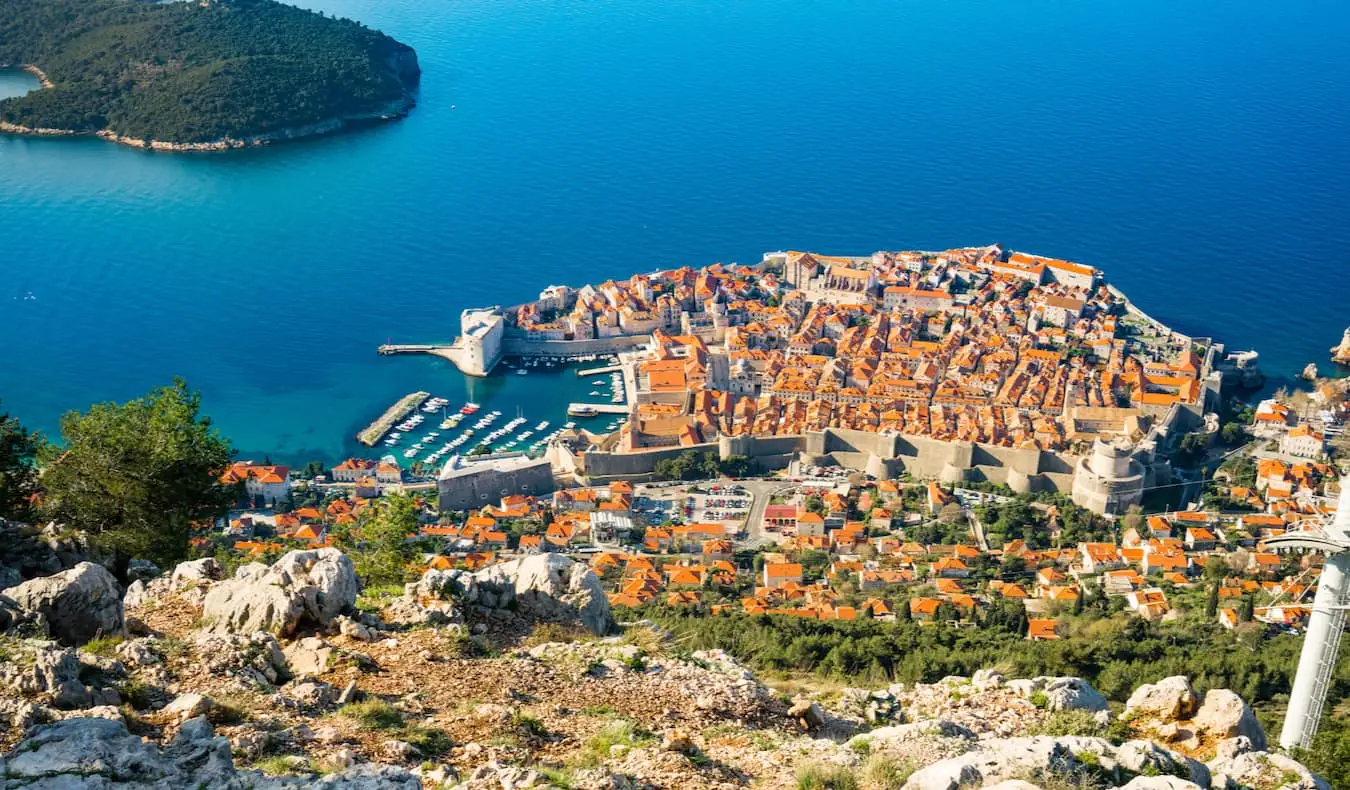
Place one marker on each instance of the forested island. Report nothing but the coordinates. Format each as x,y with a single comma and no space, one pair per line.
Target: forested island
212,74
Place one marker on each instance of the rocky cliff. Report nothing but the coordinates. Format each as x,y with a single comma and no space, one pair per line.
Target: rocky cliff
515,676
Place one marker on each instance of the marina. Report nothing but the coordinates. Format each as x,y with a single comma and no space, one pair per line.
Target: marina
405,405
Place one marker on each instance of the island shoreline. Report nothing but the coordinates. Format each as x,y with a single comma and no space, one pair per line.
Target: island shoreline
393,111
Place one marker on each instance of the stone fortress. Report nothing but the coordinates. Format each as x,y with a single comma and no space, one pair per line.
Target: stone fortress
969,365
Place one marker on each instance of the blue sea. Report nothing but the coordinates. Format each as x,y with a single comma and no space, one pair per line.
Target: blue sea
1196,151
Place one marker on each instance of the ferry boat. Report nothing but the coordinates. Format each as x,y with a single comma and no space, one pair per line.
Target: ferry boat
581,410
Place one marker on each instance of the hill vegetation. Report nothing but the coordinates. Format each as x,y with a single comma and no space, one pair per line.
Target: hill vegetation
199,72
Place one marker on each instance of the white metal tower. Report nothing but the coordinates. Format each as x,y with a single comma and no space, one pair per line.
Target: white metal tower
1325,626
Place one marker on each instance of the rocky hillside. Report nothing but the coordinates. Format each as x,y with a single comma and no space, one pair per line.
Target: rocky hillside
516,676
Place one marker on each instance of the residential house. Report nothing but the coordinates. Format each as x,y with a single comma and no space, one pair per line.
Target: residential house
777,574
1149,603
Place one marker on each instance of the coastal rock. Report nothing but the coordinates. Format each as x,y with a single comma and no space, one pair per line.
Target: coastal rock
75,605
547,587
303,586
1341,353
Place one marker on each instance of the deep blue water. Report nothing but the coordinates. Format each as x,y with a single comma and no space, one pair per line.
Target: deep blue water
1196,151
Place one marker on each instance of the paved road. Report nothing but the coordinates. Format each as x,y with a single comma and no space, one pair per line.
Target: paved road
762,491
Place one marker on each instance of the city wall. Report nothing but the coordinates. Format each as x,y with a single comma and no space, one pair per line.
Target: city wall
881,455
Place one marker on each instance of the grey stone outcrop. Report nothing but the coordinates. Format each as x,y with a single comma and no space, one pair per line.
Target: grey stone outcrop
995,761
1074,694
1170,699
431,600
303,586
73,606
547,587
100,754
1263,769
1224,714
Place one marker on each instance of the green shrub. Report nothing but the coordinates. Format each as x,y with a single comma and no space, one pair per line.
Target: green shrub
105,646
620,732
817,776
1071,722
430,741
888,773
528,726
373,714
1039,699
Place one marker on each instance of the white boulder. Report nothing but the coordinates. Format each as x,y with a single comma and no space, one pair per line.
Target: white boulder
1170,699
548,587
76,605
1224,714
1073,694
303,586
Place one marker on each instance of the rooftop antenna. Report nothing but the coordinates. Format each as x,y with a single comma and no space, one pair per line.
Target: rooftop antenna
1326,625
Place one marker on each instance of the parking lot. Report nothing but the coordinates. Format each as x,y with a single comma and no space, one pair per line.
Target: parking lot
717,503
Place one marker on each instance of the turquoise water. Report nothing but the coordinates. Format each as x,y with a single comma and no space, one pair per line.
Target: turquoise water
1194,151
14,82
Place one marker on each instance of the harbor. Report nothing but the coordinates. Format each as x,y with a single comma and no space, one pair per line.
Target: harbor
519,408
404,406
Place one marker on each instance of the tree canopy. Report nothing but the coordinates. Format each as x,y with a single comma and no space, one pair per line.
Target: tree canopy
18,478
196,72
138,476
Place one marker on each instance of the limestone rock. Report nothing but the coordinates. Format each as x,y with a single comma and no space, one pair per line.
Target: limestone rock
1161,783
996,760
309,656
49,673
256,657
1074,694
548,587
312,693
1170,699
314,586
807,713
137,653
206,569
1264,769
431,600
1146,757
1225,715
188,706
99,754
76,605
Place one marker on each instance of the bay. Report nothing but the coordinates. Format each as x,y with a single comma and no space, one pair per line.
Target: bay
1195,151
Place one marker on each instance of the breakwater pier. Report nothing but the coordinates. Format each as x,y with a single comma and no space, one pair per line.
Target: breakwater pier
372,433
